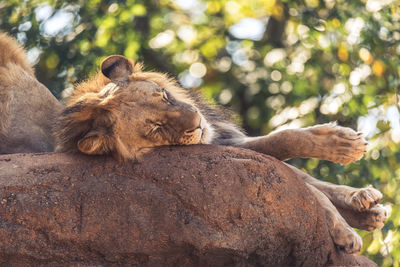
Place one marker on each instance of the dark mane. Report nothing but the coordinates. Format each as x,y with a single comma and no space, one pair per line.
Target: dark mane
221,119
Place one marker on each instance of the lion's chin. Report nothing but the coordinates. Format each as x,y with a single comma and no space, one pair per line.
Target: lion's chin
206,135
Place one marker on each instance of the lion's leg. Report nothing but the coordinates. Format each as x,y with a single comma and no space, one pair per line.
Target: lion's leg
368,220
326,141
342,234
357,205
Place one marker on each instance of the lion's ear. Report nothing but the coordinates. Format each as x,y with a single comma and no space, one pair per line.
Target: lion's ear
96,142
117,68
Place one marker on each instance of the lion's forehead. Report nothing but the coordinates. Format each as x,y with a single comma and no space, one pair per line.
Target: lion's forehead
140,91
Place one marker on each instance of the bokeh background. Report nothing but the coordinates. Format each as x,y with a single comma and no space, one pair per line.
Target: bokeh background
277,63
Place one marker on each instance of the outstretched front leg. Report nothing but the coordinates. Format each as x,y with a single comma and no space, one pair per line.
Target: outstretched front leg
359,206
342,234
326,141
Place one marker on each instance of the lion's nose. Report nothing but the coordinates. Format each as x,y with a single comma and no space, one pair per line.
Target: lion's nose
192,130
192,122
185,120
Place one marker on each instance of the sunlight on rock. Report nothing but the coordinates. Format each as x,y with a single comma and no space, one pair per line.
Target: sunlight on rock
162,39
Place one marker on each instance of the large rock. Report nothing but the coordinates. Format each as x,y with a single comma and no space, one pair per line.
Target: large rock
180,206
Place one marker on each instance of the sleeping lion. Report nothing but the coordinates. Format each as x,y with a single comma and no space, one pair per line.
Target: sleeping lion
125,112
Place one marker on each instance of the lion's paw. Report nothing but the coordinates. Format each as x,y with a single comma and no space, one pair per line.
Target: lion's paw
345,238
364,198
375,218
342,145
343,235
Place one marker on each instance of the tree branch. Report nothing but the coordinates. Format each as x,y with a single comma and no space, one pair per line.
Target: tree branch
180,206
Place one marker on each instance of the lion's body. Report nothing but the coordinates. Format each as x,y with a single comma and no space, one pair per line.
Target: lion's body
26,106
126,112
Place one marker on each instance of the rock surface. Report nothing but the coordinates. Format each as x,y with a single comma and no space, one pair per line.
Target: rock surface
180,206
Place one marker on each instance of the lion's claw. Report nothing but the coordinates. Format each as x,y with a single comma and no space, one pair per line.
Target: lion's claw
364,198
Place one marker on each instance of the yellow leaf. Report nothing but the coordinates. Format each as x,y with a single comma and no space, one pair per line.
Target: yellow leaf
365,55
342,53
378,68
335,22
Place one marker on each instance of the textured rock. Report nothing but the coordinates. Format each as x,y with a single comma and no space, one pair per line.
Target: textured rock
180,206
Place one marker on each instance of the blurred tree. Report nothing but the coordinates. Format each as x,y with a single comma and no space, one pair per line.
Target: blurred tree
278,63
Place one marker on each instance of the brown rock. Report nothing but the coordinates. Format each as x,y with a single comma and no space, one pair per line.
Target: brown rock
181,206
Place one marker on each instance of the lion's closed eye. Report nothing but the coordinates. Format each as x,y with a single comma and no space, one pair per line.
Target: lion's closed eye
167,97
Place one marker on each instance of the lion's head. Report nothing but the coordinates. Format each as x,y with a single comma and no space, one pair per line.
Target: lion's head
125,112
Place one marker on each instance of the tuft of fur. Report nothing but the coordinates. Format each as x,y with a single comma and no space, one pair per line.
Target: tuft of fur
77,118
12,52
